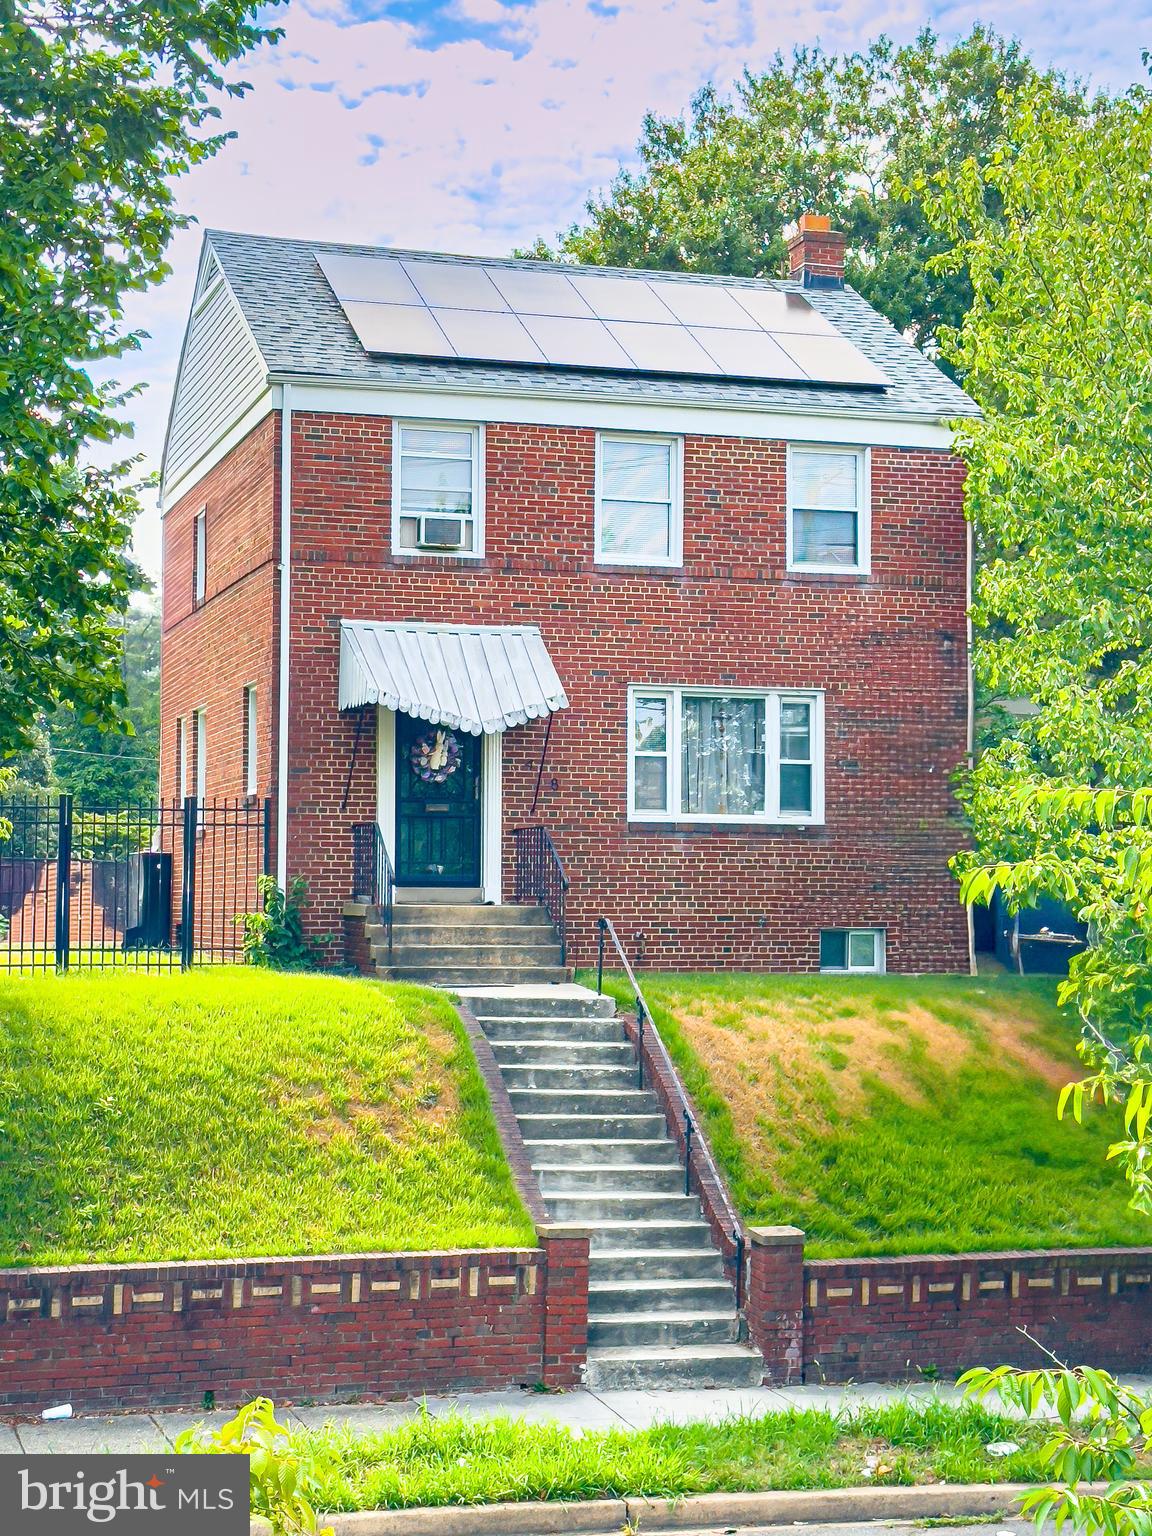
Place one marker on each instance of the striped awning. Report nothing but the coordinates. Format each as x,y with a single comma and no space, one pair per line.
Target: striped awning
471,677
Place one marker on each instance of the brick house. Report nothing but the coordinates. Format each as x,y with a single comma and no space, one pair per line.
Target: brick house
673,567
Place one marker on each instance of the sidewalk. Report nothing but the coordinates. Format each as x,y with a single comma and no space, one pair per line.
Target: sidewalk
126,1433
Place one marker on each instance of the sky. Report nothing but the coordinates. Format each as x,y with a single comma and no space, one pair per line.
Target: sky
475,125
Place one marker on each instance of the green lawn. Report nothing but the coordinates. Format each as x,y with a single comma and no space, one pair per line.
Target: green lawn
892,1114
237,1112
457,1460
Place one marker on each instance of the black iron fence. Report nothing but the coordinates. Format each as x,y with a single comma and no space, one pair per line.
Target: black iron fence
150,886
373,878
540,878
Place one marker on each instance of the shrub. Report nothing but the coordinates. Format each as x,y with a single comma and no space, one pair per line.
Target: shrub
283,1478
274,937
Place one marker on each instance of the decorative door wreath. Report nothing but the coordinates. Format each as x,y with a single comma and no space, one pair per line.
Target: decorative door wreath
435,756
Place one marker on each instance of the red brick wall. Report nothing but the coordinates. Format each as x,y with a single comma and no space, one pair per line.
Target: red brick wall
374,1325
209,654
888,649
885,1319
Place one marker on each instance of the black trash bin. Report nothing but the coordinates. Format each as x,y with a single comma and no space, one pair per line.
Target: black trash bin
150,903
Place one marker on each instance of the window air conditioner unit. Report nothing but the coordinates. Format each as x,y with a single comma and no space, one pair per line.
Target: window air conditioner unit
441,533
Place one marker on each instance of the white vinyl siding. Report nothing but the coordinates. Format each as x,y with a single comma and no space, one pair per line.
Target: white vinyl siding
437,490
829,521
221,374
639,503
725,755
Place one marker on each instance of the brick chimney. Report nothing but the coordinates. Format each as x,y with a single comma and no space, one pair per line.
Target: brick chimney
816,253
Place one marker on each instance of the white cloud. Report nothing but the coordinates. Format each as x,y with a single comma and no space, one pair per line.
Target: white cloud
359,130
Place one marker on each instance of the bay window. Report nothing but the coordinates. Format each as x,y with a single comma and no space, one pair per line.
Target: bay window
828,521
744,755
638,509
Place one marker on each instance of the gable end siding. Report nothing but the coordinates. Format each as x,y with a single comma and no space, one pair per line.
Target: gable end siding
221,374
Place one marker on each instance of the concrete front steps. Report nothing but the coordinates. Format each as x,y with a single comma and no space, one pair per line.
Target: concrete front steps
467,946
662,1311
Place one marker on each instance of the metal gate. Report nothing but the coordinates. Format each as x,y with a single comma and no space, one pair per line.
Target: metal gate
150,886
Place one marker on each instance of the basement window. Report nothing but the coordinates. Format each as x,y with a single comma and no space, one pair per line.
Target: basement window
436,493
852,951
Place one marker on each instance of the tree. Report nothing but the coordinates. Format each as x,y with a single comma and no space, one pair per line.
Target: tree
1057,346
115,768
103,103
850,135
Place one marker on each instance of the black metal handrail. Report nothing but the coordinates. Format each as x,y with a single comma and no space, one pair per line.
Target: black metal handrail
693,1140
540,877
373,878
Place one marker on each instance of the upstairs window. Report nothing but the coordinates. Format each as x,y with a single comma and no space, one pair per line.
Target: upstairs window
858,951
828,510
436,496
638,505
199,556
748,756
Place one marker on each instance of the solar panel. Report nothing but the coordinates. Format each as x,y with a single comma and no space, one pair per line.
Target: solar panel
478,333
662,348
777,311
621,298
747,354
576,343
831,357
454,285
459,308
703,304
360,277
539,293
409,330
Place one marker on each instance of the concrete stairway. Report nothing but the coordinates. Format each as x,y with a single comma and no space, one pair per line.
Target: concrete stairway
662,1312
456,946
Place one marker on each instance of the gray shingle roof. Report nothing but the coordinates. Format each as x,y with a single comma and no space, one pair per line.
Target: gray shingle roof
302,332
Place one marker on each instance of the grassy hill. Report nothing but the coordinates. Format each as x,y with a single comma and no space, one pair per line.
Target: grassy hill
891,1114
234,1112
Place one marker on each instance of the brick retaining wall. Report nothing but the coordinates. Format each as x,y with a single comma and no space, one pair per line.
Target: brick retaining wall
376,1325
898,1318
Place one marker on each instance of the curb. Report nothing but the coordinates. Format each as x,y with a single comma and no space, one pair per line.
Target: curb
832,1506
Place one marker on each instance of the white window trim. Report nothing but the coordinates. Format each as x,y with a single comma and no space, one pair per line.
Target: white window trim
478,483
200,556
251,777
200,720
772,816
863,566
183,725
676,555
858,970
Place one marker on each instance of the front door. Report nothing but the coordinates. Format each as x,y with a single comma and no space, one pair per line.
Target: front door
437,804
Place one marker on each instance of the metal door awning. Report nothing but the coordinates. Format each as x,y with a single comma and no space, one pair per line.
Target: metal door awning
470,677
